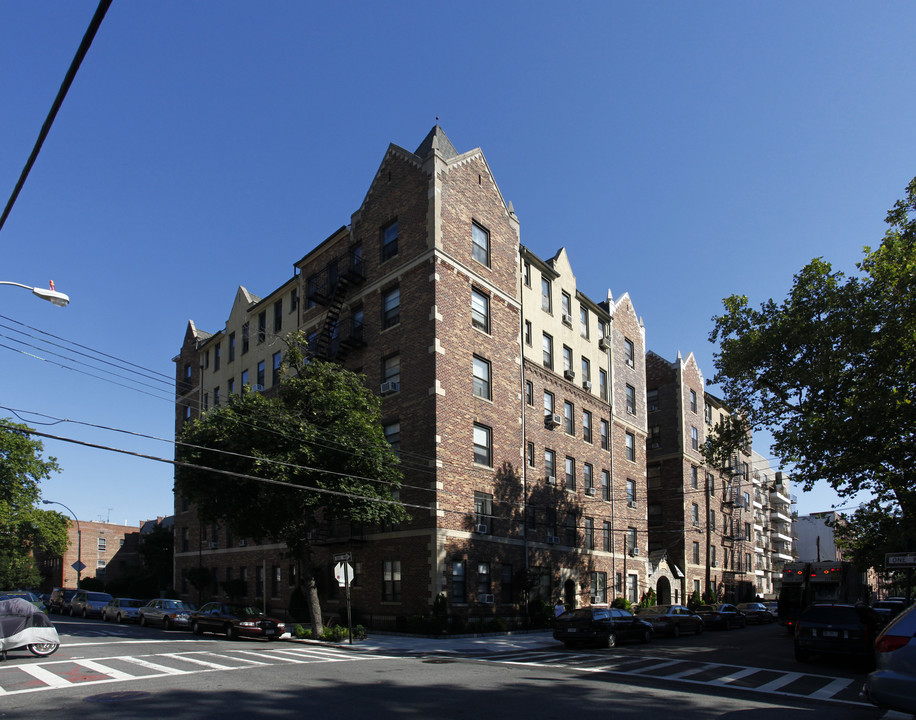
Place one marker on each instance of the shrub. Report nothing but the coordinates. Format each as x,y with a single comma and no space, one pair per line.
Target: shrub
623,604
301,632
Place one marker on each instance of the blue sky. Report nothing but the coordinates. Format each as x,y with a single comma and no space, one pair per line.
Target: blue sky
681,152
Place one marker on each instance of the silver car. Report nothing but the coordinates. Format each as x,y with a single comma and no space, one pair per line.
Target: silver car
122,609
893,684
166,612
88,603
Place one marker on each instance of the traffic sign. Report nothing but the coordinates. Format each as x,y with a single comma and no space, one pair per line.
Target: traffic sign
344,573
343,557
78,566
899,560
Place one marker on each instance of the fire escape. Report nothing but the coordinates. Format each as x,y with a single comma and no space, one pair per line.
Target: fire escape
330,288
734,537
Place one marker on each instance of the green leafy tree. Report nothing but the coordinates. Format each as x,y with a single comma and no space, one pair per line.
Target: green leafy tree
831,372
289,463
156,548
24,527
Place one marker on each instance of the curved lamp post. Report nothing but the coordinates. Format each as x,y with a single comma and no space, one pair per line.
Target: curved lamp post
52,296
79,541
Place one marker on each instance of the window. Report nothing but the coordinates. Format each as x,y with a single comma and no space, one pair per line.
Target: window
508,593
483,450
530,454
528,333
244,378
482,378
102,544
572,537
693,401
631,399
652,400
480,311
389,240
654,512
529,392
696,553
391,369
483,579
602,384
654,476
588,478
583,321
694,439
547,346
459,582
483,508
391,307
294,299
391,581
550,464
589,533
586,426
631,492
275,579
568,423
712,555
631,447
694,477
231,347
586,371
526,273
598,587
546,302
633,588
605,434
566,307
655,436
606,536
570,474
567,363
631,539
548,403
707,414
216,357
480,244
393,435
275,375
262,326
260,375
605,485
629,352
245,339
216,396
695,514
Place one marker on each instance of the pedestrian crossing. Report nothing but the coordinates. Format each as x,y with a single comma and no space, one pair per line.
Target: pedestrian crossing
57,674
693,672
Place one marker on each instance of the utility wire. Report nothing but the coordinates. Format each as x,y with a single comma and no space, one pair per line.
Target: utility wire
58,101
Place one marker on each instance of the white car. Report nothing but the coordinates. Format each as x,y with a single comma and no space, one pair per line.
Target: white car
122,609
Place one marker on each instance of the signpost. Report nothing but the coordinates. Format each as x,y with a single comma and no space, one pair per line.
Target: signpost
343,571
901,561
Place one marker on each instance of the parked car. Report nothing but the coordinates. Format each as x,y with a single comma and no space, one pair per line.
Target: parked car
889,608
671,619
756,612
29,597
166,612
837,629
773,607
235,621
88,602
600,625
122,609
722,615
893,683
60,600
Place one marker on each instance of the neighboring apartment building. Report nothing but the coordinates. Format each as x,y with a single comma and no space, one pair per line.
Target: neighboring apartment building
816,540
712,523
516,403
105,549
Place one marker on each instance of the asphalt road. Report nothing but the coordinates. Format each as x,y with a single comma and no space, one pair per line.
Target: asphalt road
110,671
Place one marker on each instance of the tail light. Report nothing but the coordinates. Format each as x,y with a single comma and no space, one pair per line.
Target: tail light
889,643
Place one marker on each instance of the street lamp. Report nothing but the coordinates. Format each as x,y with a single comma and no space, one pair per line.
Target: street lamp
52,296
79,541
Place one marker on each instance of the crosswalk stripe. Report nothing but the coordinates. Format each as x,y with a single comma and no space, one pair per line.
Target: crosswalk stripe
154,666
46,676
832,689
786,679
196,661
105,670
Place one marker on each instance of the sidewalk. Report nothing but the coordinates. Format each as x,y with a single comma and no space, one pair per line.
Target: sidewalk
446,645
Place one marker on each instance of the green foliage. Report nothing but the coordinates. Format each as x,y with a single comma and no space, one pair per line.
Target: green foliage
301,632
540,613
648,599
340,632
831,372
622,603
93,583
25,527
695,601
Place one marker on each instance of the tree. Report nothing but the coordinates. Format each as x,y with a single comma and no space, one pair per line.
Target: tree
24,527
831,372
289,463
157,550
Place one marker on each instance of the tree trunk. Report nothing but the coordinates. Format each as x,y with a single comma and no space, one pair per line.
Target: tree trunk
311,593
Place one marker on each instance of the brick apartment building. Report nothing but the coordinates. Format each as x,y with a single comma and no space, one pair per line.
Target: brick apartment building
106,550
517,405
729,528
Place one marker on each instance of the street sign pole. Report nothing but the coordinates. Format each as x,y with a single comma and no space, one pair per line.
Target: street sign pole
344,560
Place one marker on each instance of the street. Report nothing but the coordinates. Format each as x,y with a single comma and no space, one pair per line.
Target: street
125,671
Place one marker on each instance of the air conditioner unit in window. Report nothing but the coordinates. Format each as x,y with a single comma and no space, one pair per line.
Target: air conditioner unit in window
257,388
390,387
243,542
485,598
634,552
590,491
631,503
604,343
551,479
481,528
567,319
713,563
214,545
552,540
569,374
552,420
655,444
587,385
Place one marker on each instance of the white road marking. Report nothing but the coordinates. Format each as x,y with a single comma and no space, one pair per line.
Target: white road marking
105,670
45,676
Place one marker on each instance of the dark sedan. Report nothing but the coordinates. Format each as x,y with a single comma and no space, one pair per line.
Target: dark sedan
600,626
839,630
235,621
756,612
722,615
671,619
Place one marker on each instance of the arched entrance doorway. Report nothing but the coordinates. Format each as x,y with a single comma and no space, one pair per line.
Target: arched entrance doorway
569,594
663,591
